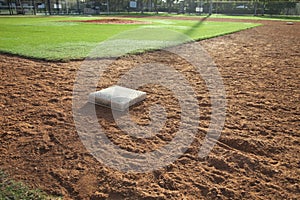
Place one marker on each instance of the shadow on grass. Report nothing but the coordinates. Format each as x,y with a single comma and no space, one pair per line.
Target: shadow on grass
197,25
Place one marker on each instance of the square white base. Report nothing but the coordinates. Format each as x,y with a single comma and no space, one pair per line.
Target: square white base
117,97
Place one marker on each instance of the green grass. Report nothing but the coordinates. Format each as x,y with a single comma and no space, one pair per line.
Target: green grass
10,189
259,17
251,17
51,38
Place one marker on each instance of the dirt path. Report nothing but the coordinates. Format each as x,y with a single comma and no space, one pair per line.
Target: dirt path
257,156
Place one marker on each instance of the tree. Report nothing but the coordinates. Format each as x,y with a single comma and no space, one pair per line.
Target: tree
142,6
155,6
20,10
210,7
33,7
49,7
255,7
11,11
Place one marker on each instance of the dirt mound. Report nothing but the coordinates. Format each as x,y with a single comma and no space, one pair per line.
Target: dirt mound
256,157
111,21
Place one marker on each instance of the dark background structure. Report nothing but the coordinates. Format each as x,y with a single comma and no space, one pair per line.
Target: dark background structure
90,7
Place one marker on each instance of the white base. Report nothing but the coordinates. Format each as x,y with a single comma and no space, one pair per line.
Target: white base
117,97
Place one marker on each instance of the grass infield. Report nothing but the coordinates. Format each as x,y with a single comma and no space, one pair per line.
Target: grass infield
52,38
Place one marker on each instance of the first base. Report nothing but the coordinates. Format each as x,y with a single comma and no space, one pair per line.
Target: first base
117,97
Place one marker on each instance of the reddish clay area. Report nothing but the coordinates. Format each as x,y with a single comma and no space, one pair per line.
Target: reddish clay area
111,21
256,157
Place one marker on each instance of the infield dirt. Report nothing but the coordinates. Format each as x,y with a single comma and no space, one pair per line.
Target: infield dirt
256,157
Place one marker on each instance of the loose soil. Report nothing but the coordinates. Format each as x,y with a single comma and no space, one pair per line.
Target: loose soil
256,157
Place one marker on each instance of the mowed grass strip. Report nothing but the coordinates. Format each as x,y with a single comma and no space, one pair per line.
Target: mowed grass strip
53,38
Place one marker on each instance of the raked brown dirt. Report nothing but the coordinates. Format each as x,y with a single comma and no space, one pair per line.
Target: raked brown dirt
256,157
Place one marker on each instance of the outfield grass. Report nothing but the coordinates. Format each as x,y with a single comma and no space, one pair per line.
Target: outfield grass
51,38
259,17
193,15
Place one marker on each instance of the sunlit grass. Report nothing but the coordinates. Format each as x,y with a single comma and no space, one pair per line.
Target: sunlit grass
52,38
